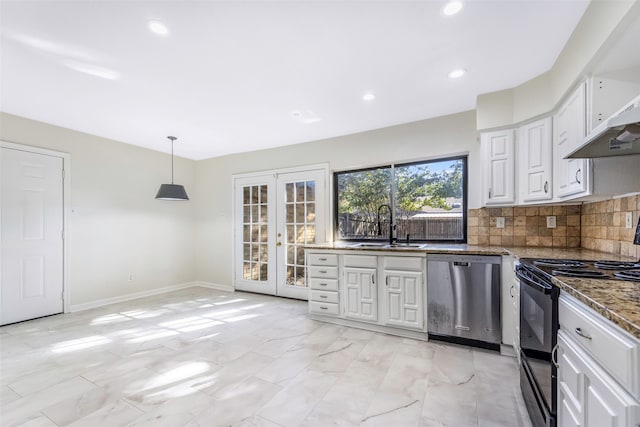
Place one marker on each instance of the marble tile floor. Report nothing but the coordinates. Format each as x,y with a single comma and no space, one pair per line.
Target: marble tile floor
201,357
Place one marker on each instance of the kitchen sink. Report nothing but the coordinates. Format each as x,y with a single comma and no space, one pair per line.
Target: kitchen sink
370,245
405,245
388,246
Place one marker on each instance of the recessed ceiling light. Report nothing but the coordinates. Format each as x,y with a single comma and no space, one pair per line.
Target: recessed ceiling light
158,27
452,8
368,96
454,74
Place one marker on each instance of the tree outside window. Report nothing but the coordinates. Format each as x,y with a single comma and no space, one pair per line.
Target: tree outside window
429,201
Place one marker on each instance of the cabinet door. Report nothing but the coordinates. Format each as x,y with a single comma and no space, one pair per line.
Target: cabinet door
403,299
360,302
569,126
535,148
498,167
571,383
585,386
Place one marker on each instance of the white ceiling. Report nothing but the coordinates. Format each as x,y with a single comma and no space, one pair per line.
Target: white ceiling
230,73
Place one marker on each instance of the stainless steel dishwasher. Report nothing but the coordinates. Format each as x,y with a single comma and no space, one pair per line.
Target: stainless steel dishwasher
463,294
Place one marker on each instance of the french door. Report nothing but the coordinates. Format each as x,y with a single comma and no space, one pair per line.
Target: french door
276,215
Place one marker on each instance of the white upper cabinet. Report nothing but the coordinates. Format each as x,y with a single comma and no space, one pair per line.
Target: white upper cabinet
498,159
535,161
572,176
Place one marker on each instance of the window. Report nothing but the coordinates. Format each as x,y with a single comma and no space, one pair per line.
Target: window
429,201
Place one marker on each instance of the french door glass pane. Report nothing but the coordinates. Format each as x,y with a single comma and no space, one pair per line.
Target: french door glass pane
255,256
300,227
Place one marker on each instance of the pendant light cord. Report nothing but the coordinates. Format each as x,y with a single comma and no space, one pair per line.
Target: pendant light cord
172,138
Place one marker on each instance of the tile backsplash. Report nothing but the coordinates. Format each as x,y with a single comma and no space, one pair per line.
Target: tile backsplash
603,226
525,226
596,225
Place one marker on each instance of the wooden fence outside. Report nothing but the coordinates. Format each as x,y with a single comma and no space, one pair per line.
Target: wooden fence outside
352,227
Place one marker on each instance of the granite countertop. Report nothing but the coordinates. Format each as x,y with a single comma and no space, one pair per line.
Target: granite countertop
618,301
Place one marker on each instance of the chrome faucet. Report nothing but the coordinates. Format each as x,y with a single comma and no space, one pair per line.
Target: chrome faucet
392,226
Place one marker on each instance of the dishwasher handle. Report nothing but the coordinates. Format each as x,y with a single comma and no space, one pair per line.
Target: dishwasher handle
462,264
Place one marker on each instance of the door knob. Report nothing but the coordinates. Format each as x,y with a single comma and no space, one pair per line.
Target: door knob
279,244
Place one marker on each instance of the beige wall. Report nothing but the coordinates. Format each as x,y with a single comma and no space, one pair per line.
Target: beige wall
116,227
599,27
439,137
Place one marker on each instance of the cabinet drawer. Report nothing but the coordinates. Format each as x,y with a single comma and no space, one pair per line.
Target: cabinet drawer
360,261
324,296
322,272
616,351
327,308
322,259
323,284
403,263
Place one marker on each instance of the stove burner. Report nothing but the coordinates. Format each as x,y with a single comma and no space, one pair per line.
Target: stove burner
564,263
615,265
591,274
629,275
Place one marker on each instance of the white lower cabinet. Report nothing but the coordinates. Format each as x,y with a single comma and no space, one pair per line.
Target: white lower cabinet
403,291
588,395
322,277
589,351
382,291
361,295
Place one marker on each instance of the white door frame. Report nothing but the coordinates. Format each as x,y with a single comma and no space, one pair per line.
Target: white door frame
66,208
327,205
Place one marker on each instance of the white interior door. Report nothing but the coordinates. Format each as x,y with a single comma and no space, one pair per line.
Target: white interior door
32,235
276,215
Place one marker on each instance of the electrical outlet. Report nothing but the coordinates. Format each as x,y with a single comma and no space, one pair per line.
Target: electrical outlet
500,222
628,223
551,221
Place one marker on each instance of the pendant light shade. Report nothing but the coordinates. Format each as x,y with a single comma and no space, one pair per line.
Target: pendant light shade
172,191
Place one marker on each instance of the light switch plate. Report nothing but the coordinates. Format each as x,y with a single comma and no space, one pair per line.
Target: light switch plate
628,223
500,222
551,221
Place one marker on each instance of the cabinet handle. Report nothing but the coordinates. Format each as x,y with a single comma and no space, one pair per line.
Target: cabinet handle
511,291
582,334
323,296
386,281
323,308
322,284
322,271
546,187
489,193
578,173
322,259
373,280
554,356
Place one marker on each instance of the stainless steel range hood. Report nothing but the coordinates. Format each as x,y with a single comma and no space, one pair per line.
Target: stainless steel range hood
618,136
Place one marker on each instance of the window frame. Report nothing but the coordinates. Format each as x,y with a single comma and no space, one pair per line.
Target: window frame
392,193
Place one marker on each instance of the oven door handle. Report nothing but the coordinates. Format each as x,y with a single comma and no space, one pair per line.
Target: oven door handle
545,288
554,356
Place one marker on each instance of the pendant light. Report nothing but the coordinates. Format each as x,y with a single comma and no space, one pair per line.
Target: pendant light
172,191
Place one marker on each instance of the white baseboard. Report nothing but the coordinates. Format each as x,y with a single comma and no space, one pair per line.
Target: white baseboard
226,288
142,294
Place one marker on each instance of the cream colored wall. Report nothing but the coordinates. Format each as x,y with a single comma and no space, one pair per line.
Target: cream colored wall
599,26
116,227
439,137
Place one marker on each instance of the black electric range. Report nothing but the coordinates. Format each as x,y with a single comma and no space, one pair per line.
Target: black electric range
539,324
601,269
